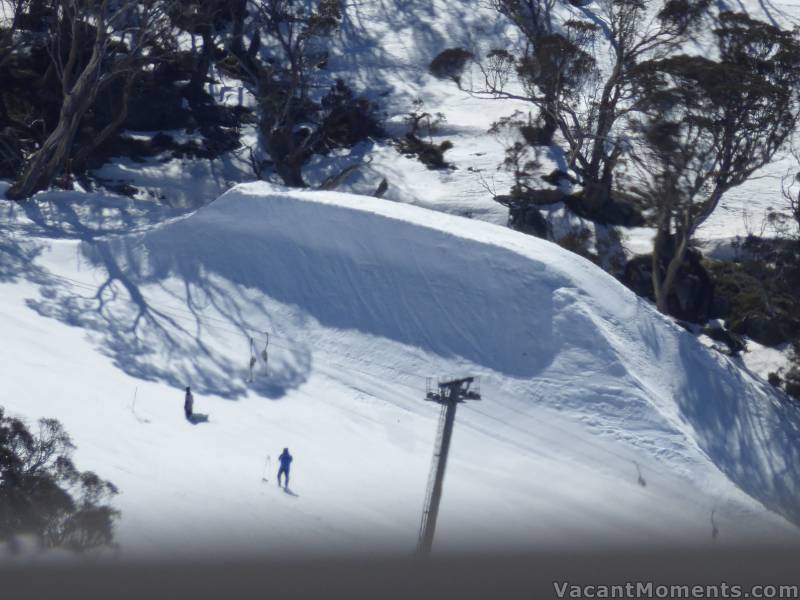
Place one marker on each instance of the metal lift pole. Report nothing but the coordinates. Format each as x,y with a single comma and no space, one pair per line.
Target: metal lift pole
449,395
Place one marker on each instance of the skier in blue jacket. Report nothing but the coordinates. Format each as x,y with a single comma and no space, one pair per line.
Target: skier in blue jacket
285,460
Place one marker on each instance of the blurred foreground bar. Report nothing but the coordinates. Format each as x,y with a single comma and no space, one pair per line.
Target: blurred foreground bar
492,576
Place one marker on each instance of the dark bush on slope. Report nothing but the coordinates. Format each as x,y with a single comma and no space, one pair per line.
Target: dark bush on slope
347,119
450,64
759,291
792,381
43,494
285,66
757,296
138,89
693,297
418,141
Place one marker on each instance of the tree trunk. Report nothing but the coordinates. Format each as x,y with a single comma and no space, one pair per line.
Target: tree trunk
51,157
291,173
599,173
238,14
659,244
549,122
662,288
287,154
17,12
46,162
82,156
194,88
597,193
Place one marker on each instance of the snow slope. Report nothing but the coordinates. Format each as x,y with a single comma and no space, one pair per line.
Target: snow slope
601,421
384,48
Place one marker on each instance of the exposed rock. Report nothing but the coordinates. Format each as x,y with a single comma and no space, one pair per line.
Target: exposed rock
792,383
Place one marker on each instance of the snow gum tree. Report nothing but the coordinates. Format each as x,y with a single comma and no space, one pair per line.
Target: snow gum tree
286,54
579,74
93,44
791,189
202,20
43,494
707,125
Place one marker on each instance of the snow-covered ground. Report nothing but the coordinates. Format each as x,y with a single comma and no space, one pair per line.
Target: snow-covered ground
601,421
383,49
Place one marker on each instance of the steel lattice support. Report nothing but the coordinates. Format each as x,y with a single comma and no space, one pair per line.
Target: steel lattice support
449,395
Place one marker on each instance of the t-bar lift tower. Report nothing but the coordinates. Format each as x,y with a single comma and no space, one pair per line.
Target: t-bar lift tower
449,394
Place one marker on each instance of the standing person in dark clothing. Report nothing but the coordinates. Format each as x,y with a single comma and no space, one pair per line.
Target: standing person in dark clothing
188,404
285,460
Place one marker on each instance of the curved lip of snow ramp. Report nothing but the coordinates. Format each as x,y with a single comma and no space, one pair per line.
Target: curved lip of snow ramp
738,421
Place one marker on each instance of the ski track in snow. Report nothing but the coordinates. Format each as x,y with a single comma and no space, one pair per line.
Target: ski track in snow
585,387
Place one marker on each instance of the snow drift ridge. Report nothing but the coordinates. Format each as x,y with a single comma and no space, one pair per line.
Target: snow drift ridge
504,304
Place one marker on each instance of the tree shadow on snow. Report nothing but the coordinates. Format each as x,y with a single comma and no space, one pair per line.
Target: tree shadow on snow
350,270
753,438
362,54
18,251
173,342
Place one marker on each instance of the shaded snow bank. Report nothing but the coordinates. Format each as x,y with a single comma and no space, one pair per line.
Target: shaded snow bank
600,420
502,303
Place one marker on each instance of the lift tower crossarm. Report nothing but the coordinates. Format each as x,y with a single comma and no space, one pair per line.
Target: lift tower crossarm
450,394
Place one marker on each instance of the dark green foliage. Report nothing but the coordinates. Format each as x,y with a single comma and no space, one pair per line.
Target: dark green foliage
450,64
734,344
792,380
528,219
84,51
692,298
682,14
28,98
31,93
576,97
558,177
43,494
428,153
194,17
157,102
732,113
347,119
758,294
560,62
708,125
790,186
294,124
612,212
578,241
